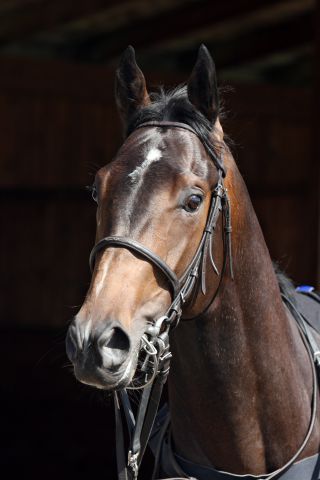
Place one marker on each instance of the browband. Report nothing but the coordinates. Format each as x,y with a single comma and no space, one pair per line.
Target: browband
166,123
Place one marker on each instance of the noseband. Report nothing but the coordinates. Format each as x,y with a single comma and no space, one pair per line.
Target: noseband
129,243
155,341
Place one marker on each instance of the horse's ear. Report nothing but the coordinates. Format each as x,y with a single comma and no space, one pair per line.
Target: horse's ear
202,85
130,86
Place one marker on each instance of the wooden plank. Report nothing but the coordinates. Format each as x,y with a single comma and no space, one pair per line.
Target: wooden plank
247,46
288,35
262,100
287,27
165,27
269,149
45,438
60,142
41,78
57,78
47,269
28,18
287,225
96,84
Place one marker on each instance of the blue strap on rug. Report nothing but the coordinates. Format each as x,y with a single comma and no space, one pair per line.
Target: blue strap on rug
304,289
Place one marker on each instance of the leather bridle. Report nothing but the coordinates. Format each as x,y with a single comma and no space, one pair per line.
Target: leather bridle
155,341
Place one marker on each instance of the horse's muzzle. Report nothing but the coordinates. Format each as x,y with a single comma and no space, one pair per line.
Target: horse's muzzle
99,357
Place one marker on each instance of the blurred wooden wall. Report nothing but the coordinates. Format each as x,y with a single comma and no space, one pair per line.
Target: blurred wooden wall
275,149
58,124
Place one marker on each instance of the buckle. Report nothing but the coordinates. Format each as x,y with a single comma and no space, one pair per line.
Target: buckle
154,329
133,463
149,348
316,358
219,190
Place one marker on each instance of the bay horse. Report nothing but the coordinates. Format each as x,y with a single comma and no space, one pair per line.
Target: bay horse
242,388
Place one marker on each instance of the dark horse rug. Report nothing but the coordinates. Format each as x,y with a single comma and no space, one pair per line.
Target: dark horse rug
304,304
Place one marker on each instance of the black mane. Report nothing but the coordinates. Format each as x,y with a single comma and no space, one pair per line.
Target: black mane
285,283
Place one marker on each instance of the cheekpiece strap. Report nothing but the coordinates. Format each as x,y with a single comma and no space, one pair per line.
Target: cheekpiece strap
167,123
218,161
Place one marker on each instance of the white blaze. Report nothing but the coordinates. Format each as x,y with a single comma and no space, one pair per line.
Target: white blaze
136,177
103,270
153,155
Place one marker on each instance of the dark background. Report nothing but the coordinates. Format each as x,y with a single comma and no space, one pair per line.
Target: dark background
58,124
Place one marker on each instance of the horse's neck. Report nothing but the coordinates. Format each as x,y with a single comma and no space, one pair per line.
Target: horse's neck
240,381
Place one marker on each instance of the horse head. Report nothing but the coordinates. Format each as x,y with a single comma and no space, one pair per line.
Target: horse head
157,192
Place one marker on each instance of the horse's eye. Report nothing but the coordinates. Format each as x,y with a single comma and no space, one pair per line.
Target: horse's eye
193,203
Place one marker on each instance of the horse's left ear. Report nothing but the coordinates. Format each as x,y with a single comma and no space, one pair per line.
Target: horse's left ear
130,86
202,85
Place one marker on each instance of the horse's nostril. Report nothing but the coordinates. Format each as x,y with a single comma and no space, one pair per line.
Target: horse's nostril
114,345
117,338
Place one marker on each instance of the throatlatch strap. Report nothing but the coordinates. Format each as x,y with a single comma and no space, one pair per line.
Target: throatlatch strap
150,416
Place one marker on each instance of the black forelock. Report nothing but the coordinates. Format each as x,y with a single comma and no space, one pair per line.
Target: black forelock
174,106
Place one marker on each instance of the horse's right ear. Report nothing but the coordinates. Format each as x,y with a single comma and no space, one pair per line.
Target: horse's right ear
130,86
202,85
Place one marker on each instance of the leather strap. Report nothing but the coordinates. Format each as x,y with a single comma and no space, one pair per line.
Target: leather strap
154,402
168,124
123,473
140,429
143,251
306,469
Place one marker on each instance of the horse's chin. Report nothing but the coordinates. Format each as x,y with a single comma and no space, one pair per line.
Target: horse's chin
111,381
